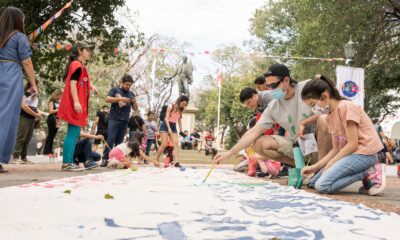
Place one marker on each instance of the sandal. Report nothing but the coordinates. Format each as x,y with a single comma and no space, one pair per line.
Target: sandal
2,169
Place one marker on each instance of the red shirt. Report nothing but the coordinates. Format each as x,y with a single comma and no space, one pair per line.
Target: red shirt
66,110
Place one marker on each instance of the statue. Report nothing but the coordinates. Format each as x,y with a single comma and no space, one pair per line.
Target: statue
184,73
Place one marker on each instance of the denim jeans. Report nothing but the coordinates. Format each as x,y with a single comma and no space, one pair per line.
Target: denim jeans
344,172
83,152
115,134
149,142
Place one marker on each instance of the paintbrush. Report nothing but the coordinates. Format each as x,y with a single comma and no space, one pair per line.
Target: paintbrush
209,172
105,143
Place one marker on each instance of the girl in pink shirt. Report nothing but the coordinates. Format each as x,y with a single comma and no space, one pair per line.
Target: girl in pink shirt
168,127
355,142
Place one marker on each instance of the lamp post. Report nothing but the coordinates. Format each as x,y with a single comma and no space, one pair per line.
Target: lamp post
349,52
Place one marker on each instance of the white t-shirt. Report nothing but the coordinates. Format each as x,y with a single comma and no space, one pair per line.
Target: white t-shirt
287,113
124,148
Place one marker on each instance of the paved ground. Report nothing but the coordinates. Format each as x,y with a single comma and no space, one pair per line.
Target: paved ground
44,170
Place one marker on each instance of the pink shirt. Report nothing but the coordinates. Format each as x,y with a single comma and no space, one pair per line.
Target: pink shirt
174,116
368,139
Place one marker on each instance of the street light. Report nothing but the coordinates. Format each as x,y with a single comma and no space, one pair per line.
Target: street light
349,52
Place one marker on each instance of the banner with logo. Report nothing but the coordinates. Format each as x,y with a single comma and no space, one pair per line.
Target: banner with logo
350,82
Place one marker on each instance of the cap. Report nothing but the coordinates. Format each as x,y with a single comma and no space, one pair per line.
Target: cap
279,70
81,44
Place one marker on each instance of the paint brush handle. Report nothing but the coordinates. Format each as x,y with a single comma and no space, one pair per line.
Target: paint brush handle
209,172
105,143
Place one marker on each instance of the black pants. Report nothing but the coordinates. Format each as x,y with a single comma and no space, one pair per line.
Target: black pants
83,152
52,128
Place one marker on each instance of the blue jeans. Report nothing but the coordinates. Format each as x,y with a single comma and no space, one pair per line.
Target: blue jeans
115,135
149,142
83,152
344,172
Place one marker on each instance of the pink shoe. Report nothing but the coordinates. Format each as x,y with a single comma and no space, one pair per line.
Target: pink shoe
375,180
274,167
252,168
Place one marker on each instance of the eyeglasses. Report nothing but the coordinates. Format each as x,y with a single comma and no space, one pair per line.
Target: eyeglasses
272,86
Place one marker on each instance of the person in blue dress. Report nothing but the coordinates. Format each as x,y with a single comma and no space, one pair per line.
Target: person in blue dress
15,55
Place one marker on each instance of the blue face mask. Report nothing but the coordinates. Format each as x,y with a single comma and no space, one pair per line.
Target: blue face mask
277,94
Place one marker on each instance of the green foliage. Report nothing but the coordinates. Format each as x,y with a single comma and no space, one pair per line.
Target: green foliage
92,21
321,28
238,73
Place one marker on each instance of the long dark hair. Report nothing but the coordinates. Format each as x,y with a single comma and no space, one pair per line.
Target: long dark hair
11,20
134,142
72,57
314,89
182,98
29,85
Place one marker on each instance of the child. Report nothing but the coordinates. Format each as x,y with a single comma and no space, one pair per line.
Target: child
169,150
131,148
355,142
73,107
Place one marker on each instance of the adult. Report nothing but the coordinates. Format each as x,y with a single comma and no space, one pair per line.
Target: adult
186,142
27,119
290,112
195,138
83,151
74,104
14,53
168,127
150,129
52,122
259,82
122,101
135,124
100,125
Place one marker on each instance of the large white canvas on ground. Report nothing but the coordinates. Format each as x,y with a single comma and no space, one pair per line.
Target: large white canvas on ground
172,204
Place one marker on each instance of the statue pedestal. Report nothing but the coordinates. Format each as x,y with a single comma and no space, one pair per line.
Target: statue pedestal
189,118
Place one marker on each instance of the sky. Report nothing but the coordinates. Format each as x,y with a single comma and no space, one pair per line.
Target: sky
205,24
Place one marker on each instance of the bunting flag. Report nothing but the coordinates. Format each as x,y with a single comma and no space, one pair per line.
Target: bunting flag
56,45
41,29
247,54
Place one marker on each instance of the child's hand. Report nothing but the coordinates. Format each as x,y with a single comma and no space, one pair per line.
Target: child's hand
308,170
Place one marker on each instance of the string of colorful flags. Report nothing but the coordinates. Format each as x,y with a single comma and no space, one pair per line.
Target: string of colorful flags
40,29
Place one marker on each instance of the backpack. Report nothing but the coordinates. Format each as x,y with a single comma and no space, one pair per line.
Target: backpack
163,113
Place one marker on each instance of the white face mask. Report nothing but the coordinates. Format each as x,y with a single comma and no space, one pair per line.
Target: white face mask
320,110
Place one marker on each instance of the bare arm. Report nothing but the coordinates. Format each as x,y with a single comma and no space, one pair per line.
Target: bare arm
51,108
248,138
134,105
110,99
303,123
88,135
180,123
30,72
351,146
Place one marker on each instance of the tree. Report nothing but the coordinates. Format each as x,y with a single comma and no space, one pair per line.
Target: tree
238,72
92,21
321,28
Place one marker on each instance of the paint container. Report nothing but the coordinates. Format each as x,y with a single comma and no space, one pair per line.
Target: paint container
298,156
295,180
182,168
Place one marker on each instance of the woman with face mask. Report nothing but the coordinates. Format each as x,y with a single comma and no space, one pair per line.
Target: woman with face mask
355,142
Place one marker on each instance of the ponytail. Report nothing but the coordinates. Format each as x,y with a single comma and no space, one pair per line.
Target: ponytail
72,57
314,89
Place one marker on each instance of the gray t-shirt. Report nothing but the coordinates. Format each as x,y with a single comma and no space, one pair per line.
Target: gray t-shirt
287,113
264,99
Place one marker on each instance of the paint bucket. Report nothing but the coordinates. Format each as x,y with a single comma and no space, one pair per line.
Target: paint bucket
295,180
